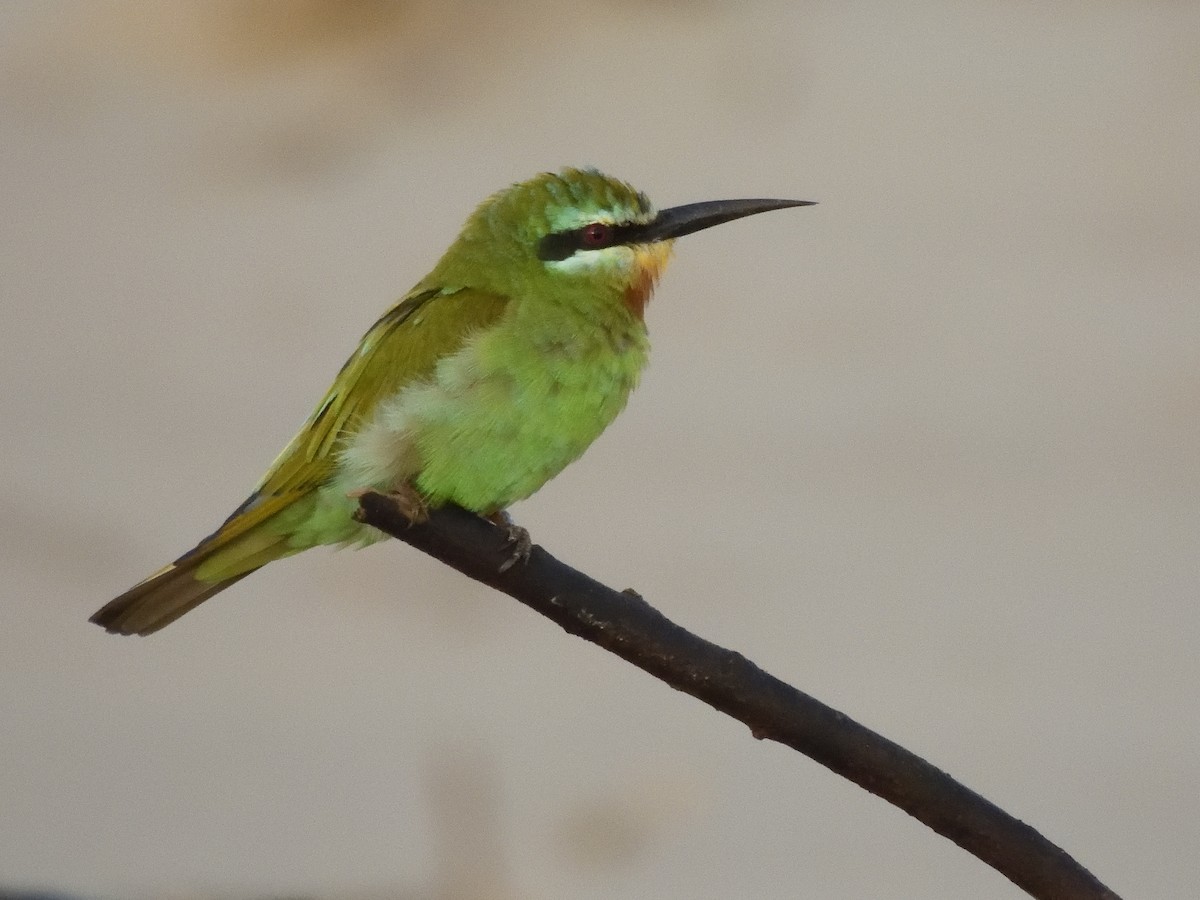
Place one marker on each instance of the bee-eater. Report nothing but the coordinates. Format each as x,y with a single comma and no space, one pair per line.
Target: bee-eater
497,370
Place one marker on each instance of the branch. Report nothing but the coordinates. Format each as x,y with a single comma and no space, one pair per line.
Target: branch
626,625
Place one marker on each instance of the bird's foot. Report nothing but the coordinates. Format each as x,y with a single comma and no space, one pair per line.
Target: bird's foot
515,536
407,498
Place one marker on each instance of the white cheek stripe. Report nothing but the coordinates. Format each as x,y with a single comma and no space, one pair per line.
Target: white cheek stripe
620,258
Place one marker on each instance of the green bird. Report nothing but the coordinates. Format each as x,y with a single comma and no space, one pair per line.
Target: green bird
497,370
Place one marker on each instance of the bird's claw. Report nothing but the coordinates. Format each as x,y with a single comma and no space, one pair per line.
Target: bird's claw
514,536
408,500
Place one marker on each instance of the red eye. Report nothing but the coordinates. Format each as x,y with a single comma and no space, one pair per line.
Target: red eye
598,234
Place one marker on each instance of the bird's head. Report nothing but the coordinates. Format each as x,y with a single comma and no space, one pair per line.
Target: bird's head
579,236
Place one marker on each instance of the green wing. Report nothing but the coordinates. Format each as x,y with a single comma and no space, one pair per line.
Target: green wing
402,347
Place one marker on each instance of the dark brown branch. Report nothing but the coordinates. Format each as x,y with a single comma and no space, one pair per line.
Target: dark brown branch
626,625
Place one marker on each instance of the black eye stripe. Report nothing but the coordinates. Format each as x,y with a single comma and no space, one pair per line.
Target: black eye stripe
562,244
558,245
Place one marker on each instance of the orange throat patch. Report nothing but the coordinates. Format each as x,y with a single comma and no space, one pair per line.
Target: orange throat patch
649,262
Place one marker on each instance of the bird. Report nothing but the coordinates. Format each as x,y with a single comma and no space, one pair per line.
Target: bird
498,369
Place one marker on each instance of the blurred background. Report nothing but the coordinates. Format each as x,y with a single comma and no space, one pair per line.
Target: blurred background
928,450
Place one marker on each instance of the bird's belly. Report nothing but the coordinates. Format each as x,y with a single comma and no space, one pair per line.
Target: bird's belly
490,428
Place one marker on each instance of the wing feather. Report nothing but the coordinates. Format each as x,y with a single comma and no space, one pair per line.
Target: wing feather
402,347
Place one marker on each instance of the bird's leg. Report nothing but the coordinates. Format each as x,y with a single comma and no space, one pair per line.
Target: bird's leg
407,498
516,536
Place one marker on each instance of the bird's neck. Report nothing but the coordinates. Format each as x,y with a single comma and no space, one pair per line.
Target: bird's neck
582,330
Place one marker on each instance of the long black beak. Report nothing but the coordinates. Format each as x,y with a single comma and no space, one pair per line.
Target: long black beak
680,220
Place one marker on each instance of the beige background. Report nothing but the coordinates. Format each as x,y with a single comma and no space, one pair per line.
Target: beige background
927,450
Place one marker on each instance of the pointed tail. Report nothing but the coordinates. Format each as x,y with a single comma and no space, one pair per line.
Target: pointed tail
247,541
159,600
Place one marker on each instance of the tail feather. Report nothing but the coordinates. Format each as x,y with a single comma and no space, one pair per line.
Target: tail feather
160,600
239,547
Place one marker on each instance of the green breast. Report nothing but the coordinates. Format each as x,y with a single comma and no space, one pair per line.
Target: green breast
521,401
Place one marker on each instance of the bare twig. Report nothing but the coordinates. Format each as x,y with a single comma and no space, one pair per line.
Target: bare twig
626,625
